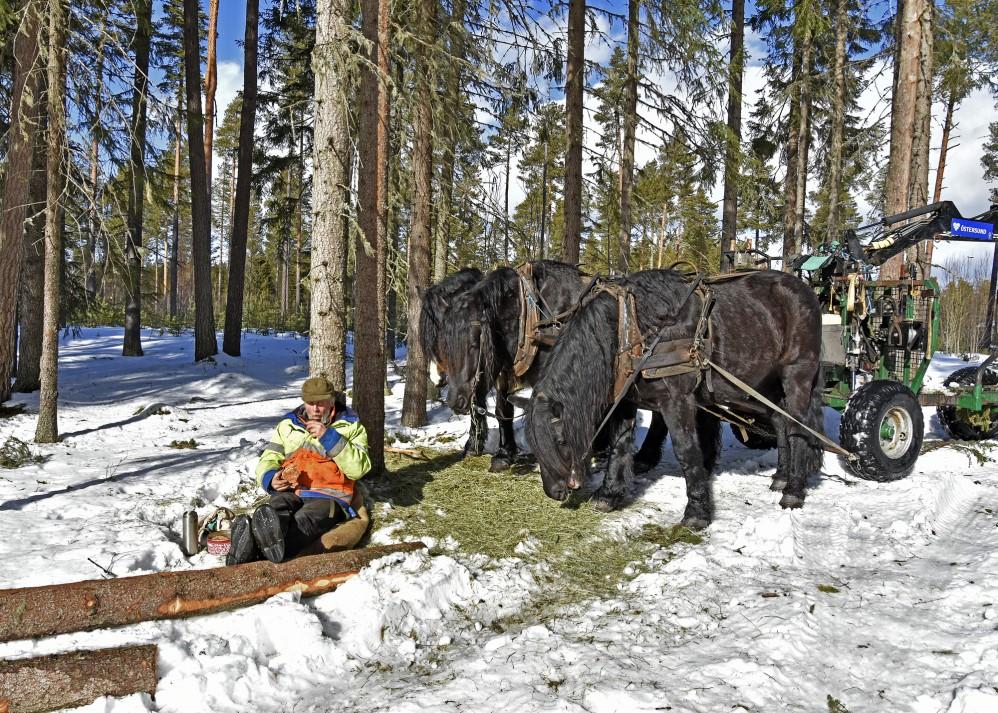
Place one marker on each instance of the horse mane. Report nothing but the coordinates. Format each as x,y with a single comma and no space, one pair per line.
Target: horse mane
436,300
485,299
579,372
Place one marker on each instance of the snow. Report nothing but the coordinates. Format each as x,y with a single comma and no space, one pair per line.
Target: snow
881,596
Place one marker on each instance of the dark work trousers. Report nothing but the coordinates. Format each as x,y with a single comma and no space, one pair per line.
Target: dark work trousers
304,519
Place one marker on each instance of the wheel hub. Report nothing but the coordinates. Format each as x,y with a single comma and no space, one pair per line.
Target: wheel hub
896,432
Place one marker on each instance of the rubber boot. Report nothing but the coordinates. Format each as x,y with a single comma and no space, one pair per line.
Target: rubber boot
268,533
242,547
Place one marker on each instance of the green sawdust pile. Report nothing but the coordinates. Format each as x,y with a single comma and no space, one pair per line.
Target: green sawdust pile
493,513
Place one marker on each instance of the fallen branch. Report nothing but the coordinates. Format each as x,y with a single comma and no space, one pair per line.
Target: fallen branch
411,452
48,683
31,612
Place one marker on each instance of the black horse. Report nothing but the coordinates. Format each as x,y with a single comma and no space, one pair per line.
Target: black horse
436,301
481,337
765,329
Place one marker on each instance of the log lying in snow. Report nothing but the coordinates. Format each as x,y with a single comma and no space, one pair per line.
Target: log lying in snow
31,612
48,683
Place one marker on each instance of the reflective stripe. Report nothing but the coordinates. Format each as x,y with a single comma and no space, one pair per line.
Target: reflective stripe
274,446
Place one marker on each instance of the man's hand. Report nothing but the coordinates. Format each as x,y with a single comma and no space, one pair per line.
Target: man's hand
279,483
316,428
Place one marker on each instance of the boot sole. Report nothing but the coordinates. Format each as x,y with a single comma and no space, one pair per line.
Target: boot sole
268,534
242,547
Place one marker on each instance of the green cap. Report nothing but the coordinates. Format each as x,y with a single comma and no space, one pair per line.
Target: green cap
317,388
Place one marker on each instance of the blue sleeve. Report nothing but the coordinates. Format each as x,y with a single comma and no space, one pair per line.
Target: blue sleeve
329,440
265,480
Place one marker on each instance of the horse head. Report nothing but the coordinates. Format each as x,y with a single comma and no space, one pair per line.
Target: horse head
467,347
563,467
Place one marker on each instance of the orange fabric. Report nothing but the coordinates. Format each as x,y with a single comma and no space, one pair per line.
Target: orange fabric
310,471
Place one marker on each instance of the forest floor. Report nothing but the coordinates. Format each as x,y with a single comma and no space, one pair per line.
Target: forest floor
873,597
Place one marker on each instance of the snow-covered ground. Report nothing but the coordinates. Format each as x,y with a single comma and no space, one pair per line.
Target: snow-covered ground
874,597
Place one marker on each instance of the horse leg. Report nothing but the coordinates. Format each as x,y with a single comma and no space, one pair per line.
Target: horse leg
685,428
709,433
802,452
475,445
506,454
782,454
620,464
651,450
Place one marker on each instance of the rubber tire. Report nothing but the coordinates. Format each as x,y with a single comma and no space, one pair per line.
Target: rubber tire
755,441
950,418
867,406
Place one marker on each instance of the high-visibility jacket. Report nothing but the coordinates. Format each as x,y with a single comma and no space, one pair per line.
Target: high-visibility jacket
329,464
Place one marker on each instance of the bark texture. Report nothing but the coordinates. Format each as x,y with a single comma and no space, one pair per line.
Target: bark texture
30,612
372,188
204,317
630,131
838,119
729,210
909,115
331,159
574,86
137,174
232,339
47,429
414,400
24,96
48,683
31,296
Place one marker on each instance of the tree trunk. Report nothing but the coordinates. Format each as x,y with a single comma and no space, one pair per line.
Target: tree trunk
505,214
944,146
838,119
47,430
574,88
790,245
90,248
137,174
327,355
232,339
204,318
630,131
210,86
803,139
736,60
414,400
175,244
31,298
98,604
914,20
369,323
48,683
24,98
918,193
544,202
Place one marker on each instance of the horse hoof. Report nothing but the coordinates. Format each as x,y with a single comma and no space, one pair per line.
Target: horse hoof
778,484
498,464
791,502
695,523
473,449
641,467
607,503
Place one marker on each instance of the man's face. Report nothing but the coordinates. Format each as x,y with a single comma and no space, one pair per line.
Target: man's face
319,410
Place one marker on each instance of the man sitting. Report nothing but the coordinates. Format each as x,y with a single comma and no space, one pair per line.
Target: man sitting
310,469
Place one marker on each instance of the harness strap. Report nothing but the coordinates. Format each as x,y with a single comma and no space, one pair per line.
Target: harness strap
831,445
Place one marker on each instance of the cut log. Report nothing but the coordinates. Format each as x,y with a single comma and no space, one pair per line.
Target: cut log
31,612
48,683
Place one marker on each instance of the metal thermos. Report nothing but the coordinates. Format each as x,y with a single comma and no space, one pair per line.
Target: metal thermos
190,533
